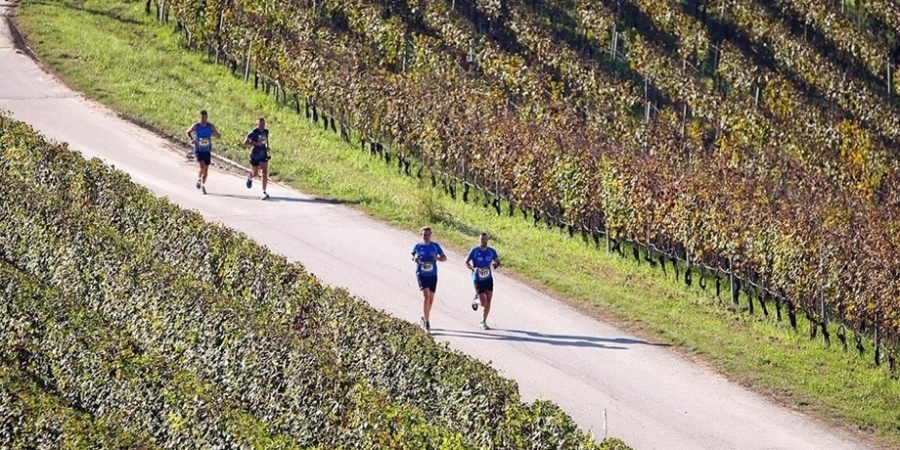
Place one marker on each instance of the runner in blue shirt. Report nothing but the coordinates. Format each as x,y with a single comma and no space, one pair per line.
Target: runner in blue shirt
258,140
482,260
201,134
426,254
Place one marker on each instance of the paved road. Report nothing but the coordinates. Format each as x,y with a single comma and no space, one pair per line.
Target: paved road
654,399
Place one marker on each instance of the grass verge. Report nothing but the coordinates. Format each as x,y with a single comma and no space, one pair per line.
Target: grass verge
119,56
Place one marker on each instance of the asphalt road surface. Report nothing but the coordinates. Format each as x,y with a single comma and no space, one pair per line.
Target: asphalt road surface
651,397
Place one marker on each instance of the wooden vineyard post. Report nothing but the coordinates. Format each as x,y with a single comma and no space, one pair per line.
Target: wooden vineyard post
247,62
877,342
889,78
646,99
731,279
825,320
219,34
612,47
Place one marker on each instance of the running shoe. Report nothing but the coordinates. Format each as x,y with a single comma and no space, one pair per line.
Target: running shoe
265,196
484,325
475,303
199,183
249,183
203,189
425,324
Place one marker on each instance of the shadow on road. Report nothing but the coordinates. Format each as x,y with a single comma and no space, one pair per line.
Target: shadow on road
275,198
499,334
96,12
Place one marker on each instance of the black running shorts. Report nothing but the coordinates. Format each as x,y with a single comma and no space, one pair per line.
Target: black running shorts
204,157
482,286
256,158
427,282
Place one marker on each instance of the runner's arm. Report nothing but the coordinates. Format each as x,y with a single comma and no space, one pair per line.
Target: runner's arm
190,132
215,132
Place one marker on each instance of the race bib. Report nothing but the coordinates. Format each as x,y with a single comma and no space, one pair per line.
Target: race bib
427,267
483,272
263,141
204,142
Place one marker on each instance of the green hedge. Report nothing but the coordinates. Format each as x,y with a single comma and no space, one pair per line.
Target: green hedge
295,358
221,351
96,368
31,417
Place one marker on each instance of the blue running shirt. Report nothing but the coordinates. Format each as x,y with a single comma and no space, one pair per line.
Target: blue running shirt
427,253
203,138
482,262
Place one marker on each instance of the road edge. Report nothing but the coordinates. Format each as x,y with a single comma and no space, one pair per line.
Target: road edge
177,145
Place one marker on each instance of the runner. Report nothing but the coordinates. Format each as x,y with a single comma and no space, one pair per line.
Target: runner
481,260
426,254
258,139
201,134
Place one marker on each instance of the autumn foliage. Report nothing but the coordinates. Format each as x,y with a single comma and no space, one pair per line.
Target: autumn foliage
741,136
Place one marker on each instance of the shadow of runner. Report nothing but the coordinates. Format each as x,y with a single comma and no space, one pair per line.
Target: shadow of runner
274,198
617,340
499,334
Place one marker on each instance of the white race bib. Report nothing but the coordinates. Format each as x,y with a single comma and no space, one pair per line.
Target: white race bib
204,142
483,272
263,141
427,267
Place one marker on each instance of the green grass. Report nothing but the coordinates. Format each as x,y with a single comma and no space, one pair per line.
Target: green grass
118,56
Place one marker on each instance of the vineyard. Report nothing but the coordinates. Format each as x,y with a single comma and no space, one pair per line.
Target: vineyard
131,323
743,143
